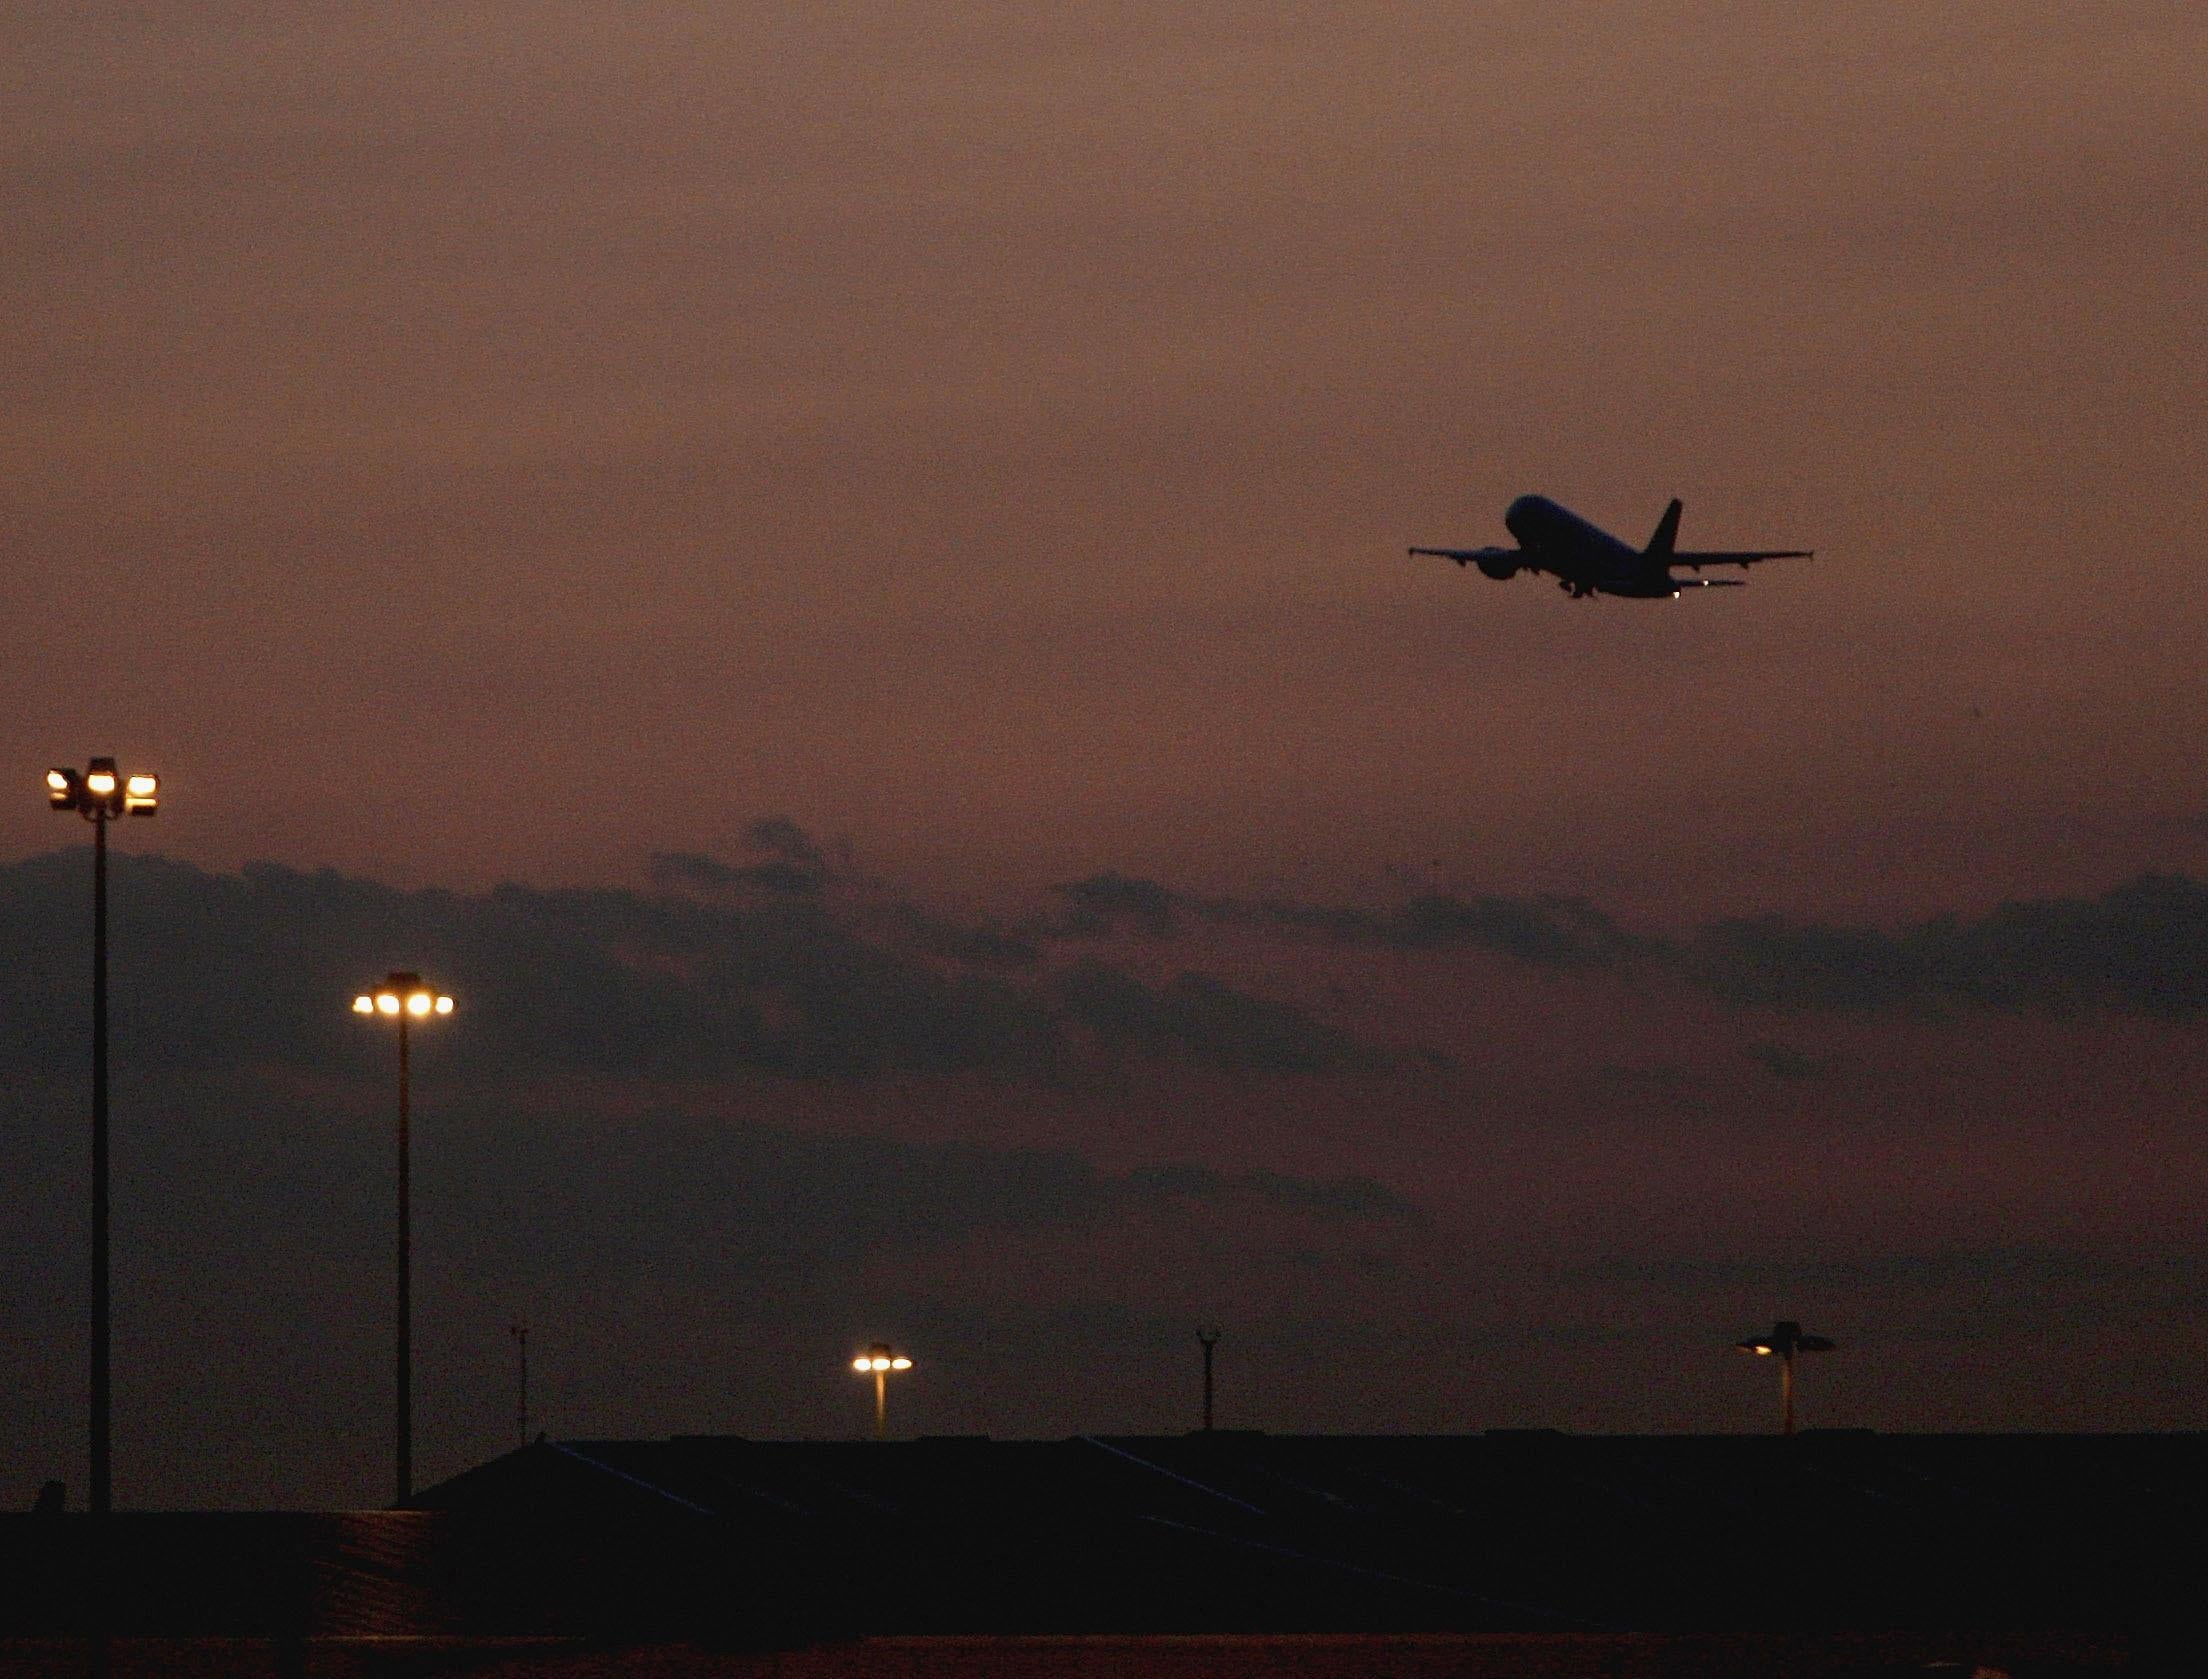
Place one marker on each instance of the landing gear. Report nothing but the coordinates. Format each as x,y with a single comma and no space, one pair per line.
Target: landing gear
1578,591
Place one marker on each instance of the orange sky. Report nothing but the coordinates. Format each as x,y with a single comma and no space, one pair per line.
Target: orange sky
461,449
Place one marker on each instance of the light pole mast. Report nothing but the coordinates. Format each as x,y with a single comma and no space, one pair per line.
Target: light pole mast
102,1489
98,794
405,1362
520,1333
404,998
1209,1338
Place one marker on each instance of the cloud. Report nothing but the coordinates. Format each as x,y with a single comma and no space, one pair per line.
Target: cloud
1550,929
790,865
1107,902
2139,948
1791,1065
723,969
1205,1021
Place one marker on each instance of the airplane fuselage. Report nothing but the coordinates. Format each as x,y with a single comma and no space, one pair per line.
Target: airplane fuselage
1584,557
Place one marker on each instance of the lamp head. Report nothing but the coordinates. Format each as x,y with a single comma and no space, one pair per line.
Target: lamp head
103,790
403,994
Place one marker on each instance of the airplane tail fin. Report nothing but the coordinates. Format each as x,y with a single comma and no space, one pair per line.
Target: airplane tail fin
1667,533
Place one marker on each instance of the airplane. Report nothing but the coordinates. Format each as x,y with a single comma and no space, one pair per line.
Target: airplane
1587,561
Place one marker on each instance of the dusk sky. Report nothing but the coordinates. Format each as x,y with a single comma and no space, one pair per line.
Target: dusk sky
837,574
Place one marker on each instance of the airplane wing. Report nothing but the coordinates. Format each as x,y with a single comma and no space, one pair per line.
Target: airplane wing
1472,556
1739,556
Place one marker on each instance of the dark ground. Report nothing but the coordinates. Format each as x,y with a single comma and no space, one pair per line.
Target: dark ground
1492,1656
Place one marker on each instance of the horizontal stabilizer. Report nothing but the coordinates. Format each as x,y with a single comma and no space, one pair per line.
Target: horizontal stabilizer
1695,560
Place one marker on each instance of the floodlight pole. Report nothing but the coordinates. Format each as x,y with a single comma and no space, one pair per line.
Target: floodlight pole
520,1333
101,1500
102,1485
1209,1339
1785,1342
406,1290
96,793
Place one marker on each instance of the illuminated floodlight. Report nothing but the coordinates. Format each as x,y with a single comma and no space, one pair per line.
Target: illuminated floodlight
102,791
878,1361
405,997
1785,1341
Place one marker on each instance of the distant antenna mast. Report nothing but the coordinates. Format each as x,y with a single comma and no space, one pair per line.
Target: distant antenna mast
1209,1338
520,1333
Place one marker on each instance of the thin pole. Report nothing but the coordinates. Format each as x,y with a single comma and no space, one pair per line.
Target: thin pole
881,1404
406,1292
1209,1341
1786,1387
521,1408
101,1500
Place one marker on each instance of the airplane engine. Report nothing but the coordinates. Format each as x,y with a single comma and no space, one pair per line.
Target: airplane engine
1498,567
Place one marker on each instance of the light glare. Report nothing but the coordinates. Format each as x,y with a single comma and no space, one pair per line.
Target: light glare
418,1003
862,1364
444,1005
364,1005
900,1364
140,786
57,782
386,1002
101,782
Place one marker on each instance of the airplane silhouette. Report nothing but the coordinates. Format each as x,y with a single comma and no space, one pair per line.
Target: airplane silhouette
1586,560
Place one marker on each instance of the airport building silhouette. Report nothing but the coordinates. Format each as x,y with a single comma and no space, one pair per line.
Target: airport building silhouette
766,1542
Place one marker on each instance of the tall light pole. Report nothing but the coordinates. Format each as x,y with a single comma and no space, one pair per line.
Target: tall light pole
878,1361
1209,1339
1785,1340
520,1333
99,794
404,998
